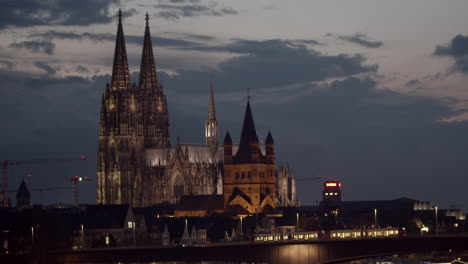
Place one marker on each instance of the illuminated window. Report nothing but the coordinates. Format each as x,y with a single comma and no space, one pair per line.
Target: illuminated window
326,193
107,240
336,193
130,224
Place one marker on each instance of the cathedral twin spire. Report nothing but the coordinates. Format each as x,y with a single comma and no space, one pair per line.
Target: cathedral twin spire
148,79
120,73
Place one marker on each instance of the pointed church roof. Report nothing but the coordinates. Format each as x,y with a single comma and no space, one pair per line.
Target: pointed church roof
248,136
227,139
211,106
120,73
22,190
148,78
269,139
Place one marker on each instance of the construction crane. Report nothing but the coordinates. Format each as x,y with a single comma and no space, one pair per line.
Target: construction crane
76,180
8,163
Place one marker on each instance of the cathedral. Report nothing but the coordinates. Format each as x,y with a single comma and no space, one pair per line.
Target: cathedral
137,164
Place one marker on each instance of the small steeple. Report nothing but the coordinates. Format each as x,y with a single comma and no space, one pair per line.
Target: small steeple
211,106
227,139
120,73
22,196
148,79
211,124
269,139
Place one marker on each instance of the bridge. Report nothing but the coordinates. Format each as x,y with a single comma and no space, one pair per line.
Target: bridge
300,252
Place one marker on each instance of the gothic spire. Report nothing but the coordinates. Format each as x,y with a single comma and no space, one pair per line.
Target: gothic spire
211,106
120,73
148,79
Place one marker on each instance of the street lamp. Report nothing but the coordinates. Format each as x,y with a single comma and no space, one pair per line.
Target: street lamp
241,230
32,236
134,238
82,236
436,220
375,217
297,222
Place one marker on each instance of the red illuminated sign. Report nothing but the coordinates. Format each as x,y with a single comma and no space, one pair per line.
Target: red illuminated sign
332,184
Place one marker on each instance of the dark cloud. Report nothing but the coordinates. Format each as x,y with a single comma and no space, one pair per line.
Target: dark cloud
270,63
36,46
175,12
27,13
46,67
131,39
192,36
7,64
457,48
309,41
82,69
361,39
129,12
413,83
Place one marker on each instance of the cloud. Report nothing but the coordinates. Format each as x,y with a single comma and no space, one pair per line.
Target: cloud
175,12
7,64
132,39
413,83
269,63
360,39
28,13
457,48
46,67
35,46
81,69
192,36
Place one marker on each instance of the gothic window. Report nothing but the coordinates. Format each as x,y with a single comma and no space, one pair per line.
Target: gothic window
178,191
249,175
237,175
243,175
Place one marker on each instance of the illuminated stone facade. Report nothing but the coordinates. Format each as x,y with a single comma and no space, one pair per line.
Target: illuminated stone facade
137,164
249,175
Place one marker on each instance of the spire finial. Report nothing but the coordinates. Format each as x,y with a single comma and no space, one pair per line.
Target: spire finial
147,18
120,15
248,94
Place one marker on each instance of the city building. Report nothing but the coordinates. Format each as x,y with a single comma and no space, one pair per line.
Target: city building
137,164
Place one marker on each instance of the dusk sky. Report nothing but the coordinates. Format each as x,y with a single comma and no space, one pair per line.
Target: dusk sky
371,93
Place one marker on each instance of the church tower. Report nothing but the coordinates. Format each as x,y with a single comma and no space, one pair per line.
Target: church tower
211,124
120,133
154,104
23,198
249,185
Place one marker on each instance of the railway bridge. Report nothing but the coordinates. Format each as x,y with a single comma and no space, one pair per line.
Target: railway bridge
299,252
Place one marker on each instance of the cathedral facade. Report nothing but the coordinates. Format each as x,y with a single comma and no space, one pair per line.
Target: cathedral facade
137,164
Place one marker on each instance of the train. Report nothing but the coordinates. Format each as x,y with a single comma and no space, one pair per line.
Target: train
331,234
